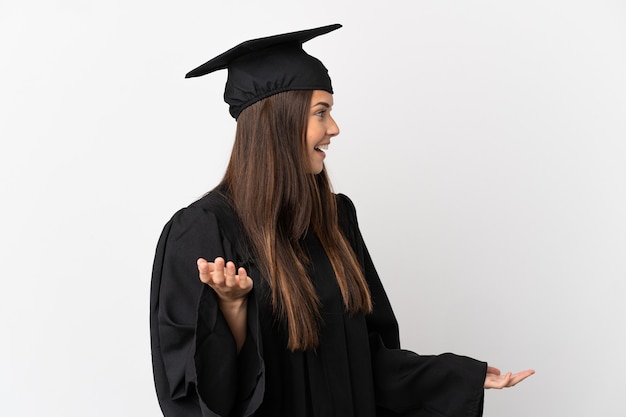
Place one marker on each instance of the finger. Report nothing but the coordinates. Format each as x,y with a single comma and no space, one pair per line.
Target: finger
493,370
217,274
243,280
229,275
506,381
520,376
219,262
503,380
204,270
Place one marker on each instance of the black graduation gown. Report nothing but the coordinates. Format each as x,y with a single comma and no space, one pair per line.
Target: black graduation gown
357,370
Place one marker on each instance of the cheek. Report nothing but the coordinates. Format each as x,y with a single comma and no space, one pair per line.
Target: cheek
313,136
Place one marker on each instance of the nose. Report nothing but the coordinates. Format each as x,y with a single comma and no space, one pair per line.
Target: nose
333,129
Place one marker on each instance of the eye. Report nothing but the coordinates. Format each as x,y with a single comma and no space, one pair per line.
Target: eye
320,113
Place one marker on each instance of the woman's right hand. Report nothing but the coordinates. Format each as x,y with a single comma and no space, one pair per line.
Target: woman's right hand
232,291
495,379
231,288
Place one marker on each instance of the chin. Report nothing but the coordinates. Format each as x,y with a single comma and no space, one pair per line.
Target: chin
317,170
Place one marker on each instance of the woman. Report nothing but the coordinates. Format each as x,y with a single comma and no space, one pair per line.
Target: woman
288,316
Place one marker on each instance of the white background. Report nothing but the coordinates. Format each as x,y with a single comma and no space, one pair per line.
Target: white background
482,143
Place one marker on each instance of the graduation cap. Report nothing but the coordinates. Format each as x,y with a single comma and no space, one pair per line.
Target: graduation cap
262,67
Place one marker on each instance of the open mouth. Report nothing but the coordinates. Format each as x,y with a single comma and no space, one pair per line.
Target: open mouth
321,148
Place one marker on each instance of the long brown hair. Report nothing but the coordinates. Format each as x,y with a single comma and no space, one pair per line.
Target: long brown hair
278,201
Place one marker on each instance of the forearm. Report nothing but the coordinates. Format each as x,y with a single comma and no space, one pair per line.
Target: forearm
235,313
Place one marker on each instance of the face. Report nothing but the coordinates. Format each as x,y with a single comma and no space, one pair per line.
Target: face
321,127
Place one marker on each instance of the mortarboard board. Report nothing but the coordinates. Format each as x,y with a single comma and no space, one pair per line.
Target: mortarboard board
262,67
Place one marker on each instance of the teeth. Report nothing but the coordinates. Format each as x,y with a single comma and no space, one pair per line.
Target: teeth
322,147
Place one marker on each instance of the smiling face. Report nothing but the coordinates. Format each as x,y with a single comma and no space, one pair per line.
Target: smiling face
320,128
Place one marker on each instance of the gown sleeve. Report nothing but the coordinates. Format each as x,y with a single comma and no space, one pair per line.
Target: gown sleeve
405,383
197,370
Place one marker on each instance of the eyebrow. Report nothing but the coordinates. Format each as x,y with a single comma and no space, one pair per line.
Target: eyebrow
322,103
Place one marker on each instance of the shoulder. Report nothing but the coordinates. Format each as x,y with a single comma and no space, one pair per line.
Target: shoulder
214,200
344,201
347,219
202,229
204,213
345,209
212,204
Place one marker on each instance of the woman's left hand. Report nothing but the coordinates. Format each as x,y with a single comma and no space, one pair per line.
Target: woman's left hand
495,379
